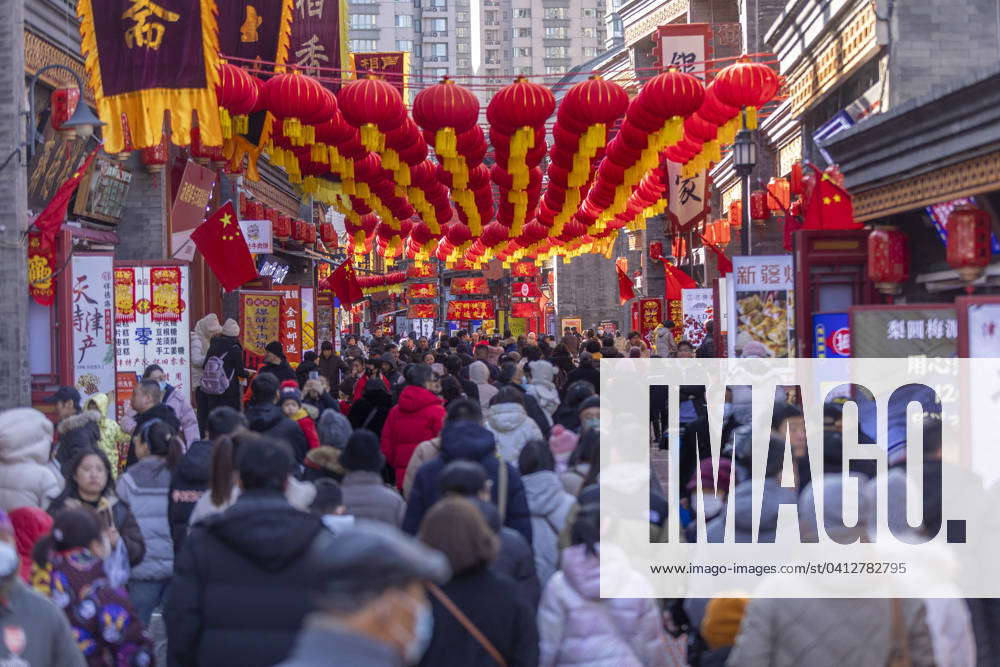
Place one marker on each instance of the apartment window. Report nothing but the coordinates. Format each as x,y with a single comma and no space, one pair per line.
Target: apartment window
492,57
556,12
442,4
522,13
555,69
461,32
462,17
525,71
363,21
522,32
492,35
492,18
590,52
404,45
462,47
362,2
557,52
556,33
464,63
523,52
437,72
436,50
590,32
435,25
589,13
404,21
362,45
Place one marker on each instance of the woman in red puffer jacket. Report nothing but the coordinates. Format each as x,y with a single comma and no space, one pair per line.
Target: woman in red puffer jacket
417,417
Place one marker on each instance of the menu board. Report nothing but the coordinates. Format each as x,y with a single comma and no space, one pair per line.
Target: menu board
911,330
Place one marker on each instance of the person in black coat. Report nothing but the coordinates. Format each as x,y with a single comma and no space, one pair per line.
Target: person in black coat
490,600
453,364
263,416
226,347
469,441
587,372
331,365
512,375
246,578
191,478
307,366
276,363
371,410
568,412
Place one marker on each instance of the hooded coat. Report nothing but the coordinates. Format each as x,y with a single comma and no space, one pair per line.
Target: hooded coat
542,386
549,505
479,374
145,487
371,410
531,407
243,583
366,496
577,627
512,429
25,478
112,435
514,558
267,418
417,417
77,432
188,483
467,441
201,339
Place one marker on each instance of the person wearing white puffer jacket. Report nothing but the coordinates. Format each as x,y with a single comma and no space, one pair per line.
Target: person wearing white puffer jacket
26,478
510,424
542,387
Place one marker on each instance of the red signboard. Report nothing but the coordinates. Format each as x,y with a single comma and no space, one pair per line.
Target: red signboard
524,270
41,265
480,309
422,291
524,309
469,286
421,271
422,310
525,290
676,314
650,315
390,66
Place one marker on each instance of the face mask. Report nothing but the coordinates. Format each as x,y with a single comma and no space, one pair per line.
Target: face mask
9,560
338,523
711,505
163,385
727,411
524,382
588,424
423,630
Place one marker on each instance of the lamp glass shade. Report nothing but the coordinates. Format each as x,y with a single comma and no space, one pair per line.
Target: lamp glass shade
83,121
744,151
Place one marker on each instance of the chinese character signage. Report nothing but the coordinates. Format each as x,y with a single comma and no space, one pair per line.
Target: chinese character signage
251,29
308,319
41,265
675,311
152,322
392,66
831,335
650,315
291,322
316,38
188,211
480,309
608,327
524,309
696,310
422,291
912,330
324,318
422,311
92,323
469,286
259,239
147,57
421,271
260,315
762,313
523,269
983,331
525,290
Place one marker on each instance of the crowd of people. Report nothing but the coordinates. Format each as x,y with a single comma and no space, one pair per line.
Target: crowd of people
399,501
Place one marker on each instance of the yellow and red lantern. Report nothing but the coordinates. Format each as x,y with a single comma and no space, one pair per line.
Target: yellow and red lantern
299,102
747,85
969,249
238,94
888,259
374,106
155,158
781,196
736,214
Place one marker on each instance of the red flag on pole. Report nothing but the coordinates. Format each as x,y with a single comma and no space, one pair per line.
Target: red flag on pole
625,291
830,206
344,284
676,280
50,220
221,243
721,260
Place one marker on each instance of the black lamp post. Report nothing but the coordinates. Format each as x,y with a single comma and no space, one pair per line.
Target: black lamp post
81,123
744,160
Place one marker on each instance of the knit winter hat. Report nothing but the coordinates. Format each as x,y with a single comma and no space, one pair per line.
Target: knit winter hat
274,347
362,452
589,402
722,621
231,328
562,440
289,391
542,370
334,429
209,325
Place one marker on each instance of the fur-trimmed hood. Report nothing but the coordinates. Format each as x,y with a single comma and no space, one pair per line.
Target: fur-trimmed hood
79,420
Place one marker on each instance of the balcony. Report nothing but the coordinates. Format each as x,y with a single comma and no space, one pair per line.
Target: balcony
492,43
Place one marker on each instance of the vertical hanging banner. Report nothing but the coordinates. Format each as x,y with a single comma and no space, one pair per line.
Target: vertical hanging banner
93,326
696,310
318,37
255,30
650,315
324,317
308,320
393,66
152,323
291,322
685,46
260,320
145,58
41,266
189,208
675,312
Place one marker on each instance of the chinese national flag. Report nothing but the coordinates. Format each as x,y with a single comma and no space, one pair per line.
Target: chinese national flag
724,264
625,291
344,284
830,206
676,280
50,220
221,243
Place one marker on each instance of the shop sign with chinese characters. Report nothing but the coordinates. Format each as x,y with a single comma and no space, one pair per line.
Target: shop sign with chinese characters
260,320
291,323
422,291
762,319
885,331
258,236
469,286
480,309
152,322
93,325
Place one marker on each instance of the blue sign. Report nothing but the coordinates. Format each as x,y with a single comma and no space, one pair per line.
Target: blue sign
831,335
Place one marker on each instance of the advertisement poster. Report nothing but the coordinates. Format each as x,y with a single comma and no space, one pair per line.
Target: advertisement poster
291,322
124,384
93,324
258,236
984,330
308,320
696,309
913,330
650,316
831,335
762,307
572,323
155,327
609,327
260,320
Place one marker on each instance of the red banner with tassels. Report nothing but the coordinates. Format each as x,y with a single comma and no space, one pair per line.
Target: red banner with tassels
480,309
422,291
469,286
422,311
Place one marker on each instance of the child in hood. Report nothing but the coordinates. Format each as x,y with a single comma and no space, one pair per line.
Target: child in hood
113,439
290,402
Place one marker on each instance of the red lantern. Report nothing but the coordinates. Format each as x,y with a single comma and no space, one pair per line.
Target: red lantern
748,85
796,181
888,259
736,214
298,100
656,249
155,157
781,196
374,106
969,241
671,94
63,102
283,227
758,206
238,94
592,102
521,104
446,110
328,234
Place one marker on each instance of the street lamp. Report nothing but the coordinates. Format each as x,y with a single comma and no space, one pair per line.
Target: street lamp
744,160
82,122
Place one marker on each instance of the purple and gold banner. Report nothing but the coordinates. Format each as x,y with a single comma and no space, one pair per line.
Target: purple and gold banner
255,30
147,57
319,38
